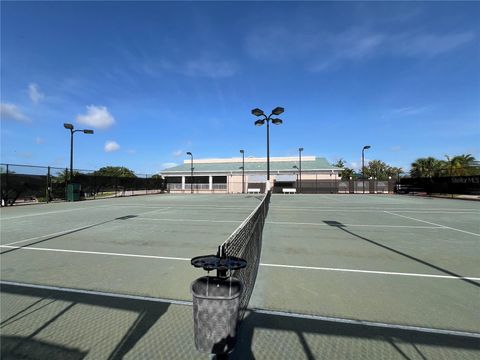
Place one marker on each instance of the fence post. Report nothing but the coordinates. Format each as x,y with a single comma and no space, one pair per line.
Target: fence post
146,185
116,185
6,187
66,175
47,194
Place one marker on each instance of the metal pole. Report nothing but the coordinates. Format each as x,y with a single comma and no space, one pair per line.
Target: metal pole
191,175
48,186
300,169
268,150
363,170
71,155
243,172
6,187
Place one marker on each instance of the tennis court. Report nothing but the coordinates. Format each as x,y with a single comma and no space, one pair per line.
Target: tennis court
341,276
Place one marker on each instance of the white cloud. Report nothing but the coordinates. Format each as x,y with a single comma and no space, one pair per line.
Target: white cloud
34,93
177,153
111,146
39,140
96,116
168,165
131,151
11,111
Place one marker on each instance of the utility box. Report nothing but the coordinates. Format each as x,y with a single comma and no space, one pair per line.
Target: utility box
73,192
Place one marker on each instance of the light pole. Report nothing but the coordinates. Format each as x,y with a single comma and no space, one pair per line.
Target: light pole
297,182
300,168
243,171
72,131
258,112
363,166
191,172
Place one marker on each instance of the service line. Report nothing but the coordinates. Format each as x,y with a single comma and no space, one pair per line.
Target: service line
431,223
262,264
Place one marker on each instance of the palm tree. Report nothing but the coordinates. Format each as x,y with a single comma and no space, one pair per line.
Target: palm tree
426,167
459,165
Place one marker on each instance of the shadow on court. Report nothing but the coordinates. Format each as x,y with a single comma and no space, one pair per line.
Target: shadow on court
338,340
342,227
15,347
69,232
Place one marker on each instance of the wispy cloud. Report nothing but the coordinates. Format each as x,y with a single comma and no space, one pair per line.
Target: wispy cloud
208,66
321,51
408,111
12,112
131,151
97,117
177,153
168,165
35,95
111,146
39,140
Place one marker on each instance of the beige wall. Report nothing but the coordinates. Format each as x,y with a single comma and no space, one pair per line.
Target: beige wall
235,183
318,176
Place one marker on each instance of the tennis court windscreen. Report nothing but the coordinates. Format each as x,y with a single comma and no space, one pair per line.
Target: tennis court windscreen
246,243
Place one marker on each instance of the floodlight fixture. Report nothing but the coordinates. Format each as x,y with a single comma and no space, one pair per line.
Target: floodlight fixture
258,112
88,131
277,121
278,110
259,122
68,126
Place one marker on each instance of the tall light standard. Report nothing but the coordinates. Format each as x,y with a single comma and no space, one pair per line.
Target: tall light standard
296,167
258,112
191,172
300,169
243,171
72,131
363,166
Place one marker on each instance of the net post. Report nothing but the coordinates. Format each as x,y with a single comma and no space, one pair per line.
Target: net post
221,254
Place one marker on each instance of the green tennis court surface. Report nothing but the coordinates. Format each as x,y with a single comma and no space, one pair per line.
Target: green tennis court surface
342,276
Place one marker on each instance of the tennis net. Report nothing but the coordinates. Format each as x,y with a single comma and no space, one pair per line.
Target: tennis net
246,243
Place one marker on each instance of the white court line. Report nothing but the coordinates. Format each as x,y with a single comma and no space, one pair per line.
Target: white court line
68,231
52,212
262,264
372,272
100,293
96,253
428,211
189,220
431,223
259,311
52,234
354,225
368,323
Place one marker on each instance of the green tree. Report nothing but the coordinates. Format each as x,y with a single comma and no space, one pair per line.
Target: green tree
340,163
459,165
378,169
347,173
426,167
115,171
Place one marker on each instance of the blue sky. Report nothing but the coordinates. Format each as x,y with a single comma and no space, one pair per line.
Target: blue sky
157,79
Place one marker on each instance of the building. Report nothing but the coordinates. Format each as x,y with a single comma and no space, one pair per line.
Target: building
227,175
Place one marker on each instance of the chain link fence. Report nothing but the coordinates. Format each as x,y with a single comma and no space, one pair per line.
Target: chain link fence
31,184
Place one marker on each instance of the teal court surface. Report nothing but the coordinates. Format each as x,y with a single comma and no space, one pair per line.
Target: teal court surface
341,277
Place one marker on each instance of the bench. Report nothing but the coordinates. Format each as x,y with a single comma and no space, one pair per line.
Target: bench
253,191
289,191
